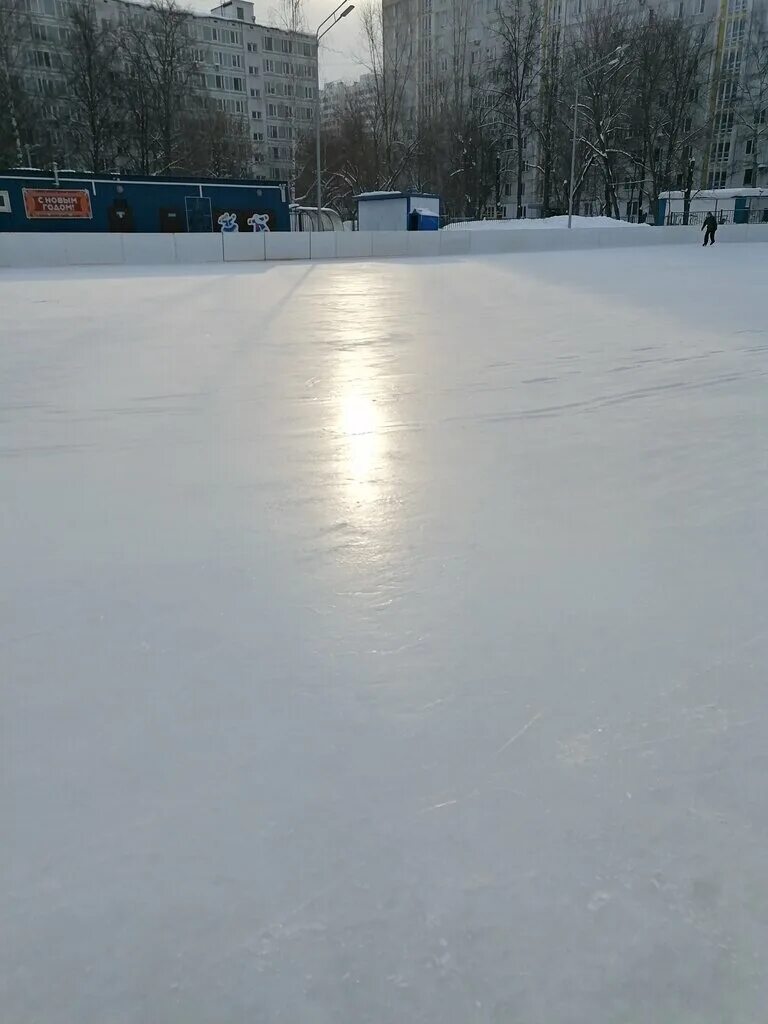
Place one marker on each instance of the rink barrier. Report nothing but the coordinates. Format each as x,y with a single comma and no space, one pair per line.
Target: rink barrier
60,249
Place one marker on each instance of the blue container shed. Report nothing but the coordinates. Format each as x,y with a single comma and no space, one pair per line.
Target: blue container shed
69,201
398,211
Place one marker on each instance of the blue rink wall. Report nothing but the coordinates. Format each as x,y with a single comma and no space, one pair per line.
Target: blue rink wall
146,205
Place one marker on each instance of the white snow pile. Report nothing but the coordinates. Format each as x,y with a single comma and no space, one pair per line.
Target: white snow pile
540,222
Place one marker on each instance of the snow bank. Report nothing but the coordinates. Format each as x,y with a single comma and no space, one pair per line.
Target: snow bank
541,222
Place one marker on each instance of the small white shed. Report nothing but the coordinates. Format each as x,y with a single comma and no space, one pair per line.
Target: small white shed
390,211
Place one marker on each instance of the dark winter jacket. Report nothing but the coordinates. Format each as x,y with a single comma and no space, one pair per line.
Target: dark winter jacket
710,223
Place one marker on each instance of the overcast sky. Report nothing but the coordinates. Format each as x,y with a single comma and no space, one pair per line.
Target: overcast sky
338,49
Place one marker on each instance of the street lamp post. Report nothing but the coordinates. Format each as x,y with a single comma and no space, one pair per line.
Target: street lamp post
612,62
325,25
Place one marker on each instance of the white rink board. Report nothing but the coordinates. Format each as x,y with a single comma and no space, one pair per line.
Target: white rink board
70,249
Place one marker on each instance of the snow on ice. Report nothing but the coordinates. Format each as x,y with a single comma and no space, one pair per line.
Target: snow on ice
542,223
385,641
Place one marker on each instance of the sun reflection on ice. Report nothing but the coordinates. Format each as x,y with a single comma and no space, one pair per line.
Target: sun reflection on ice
361,433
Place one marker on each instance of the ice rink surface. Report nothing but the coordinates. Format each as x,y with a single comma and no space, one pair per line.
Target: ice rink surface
386,641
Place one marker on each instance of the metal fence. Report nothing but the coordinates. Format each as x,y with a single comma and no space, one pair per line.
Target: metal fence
696,217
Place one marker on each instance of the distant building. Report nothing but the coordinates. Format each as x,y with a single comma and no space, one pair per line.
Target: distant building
265,75
425,38
338,96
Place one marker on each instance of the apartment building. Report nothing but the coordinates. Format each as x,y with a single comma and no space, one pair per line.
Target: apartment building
428,39
263,74
335,96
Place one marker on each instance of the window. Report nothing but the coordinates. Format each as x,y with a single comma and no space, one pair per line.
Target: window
724,122
275,152
256,115
306,49
240,14
748,176
681,9
761,117
733,61
749,147
702,5
268,43
219,81
687,124
237,60
258,136
253,69
271,110
237,85
269,65
272,131
286,45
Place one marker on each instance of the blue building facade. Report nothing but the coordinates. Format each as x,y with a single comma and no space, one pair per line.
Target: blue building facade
39,201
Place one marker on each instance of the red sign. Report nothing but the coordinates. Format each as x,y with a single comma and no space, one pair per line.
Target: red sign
57,202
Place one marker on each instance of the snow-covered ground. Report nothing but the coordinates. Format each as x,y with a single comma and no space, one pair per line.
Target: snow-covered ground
386,641
539,223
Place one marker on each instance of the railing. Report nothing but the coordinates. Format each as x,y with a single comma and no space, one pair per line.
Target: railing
696,217
455,222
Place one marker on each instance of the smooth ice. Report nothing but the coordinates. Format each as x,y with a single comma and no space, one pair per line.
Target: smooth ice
386,641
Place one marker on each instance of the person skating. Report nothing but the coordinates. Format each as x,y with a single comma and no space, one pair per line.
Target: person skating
710,224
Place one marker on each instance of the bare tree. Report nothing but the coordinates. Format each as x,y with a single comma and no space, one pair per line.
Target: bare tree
216,144
751,107
668,117
159,69
140,137
461,132
516,77
602,66
91,72
547,119
15,114
388,62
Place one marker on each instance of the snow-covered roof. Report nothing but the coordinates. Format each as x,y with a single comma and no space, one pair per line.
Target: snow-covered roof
396,195
719,193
